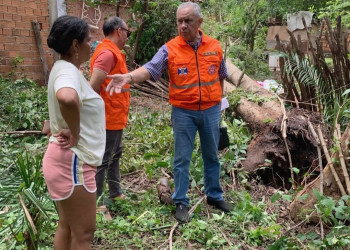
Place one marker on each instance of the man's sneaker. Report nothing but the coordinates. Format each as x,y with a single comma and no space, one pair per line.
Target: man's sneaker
222,205
181,214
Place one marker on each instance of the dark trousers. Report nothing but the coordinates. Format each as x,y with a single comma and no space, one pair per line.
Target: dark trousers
110,164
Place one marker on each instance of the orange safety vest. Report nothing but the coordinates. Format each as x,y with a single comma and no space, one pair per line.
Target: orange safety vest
194,76
116,105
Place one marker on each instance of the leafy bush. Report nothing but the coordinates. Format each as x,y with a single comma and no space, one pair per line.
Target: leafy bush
23,105
23,195
148,142
25,200
253,62
159,26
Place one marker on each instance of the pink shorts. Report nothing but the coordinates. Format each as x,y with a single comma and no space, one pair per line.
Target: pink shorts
63,171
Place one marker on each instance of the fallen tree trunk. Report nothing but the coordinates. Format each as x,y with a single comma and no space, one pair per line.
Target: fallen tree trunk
255,115
300,208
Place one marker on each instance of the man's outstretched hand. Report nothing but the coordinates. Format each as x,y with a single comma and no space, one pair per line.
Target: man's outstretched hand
117,83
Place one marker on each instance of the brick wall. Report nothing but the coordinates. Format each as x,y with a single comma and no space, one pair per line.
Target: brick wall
17,37
74,8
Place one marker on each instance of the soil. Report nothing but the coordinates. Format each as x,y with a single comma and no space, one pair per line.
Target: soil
267,155
147,104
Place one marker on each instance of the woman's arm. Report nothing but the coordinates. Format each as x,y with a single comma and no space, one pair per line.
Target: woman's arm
69,105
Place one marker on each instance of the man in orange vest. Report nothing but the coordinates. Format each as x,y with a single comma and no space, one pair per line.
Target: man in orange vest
108,59
196,72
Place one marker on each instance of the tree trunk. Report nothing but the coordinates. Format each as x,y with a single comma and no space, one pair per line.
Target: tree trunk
255,115
139,32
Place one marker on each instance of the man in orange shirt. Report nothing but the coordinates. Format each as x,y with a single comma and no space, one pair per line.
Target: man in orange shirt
196,73
108,59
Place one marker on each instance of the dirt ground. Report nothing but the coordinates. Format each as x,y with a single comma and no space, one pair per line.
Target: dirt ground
141,104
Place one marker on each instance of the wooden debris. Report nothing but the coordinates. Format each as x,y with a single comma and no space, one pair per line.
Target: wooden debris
300,208
284,136
329,160
149,88
39,43
341,158
164,191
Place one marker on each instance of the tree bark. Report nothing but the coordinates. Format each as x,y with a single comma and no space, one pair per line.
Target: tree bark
255,115
139,31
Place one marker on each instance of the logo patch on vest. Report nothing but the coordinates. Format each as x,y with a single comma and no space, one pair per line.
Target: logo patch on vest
210,53
182,71
212,69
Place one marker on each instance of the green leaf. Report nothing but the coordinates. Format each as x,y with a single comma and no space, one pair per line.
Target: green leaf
193,183
296,170
218,217
162,164
312,235
317,194
151,155
268,161
303,197
334,241
287,197
328,202
20,237
346,92
301,237
275,197
31,196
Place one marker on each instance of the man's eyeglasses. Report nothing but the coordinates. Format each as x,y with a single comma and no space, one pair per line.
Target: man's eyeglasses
128,32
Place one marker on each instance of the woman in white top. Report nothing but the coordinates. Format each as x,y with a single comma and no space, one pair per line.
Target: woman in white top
77,142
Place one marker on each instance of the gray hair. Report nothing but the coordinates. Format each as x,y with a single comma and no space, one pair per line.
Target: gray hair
194,6
112,24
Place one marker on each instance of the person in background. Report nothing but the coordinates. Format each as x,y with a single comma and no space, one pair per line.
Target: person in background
196,73
77,143
108,59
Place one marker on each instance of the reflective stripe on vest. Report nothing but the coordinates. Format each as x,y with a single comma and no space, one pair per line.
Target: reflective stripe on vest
123,90
194,84
194,75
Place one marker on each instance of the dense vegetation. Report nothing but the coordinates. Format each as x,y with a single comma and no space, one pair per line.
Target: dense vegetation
141,221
